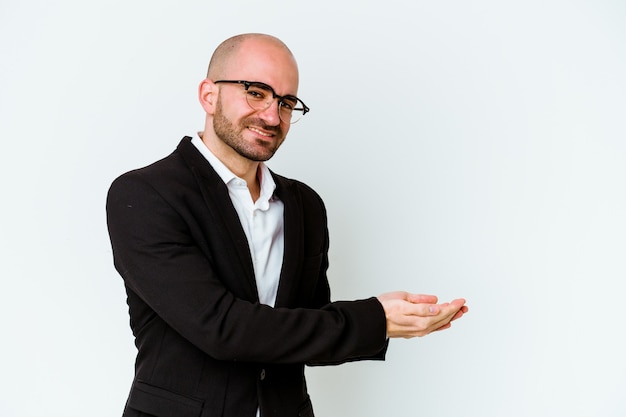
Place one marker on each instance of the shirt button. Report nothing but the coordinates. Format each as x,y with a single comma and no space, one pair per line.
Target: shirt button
262,374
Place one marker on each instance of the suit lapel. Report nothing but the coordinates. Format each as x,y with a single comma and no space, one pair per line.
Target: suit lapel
217,199
288,285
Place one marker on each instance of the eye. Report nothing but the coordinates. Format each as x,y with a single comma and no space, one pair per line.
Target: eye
289,103
256,93
259,91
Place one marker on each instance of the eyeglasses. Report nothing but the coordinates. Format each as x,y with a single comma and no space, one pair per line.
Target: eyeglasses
260,96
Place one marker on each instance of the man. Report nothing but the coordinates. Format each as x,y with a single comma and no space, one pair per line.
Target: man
224,262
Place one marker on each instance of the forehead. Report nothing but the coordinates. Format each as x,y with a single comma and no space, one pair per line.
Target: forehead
265,61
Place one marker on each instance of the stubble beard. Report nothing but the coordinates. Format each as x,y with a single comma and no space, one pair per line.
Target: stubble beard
233,137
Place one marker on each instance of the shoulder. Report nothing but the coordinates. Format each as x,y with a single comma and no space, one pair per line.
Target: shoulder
304,192
155,169
167,176
171,170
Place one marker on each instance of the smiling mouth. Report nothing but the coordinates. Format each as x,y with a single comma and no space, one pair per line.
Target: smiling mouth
260,132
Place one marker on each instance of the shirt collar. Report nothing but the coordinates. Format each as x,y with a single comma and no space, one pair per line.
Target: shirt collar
268,186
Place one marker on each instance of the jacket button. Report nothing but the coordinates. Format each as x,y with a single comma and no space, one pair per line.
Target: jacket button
262,374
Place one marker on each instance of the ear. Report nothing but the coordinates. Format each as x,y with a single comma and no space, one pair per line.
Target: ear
207,94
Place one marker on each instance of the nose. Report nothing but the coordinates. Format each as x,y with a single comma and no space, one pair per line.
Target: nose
270,114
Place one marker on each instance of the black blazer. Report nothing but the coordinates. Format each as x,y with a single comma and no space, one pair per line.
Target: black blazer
206,347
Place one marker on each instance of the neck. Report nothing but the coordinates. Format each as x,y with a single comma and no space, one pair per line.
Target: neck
244,168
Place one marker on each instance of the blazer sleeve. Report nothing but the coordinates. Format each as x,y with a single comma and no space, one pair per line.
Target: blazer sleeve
160,261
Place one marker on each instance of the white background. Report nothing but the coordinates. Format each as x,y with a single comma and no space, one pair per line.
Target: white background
464,148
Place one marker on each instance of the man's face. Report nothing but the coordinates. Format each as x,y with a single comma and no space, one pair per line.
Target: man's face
255,135
250,135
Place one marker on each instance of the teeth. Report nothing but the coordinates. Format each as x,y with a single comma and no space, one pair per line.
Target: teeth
260,132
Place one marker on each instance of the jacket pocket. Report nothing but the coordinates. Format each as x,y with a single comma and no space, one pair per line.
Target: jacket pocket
163,403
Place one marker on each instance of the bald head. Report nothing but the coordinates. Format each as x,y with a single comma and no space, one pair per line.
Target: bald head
235,129
226,52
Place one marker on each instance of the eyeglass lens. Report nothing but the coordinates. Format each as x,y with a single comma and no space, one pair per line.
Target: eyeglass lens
260,97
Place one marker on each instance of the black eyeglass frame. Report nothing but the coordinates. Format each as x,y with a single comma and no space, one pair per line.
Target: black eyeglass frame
247,84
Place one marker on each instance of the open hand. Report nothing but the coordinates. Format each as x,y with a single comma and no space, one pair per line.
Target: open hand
416,315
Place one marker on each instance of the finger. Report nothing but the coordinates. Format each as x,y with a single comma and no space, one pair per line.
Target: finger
421,298
447,313
413,311
394,295
426,310
456,306
458,302
461,312
445,326
458,315
441,313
